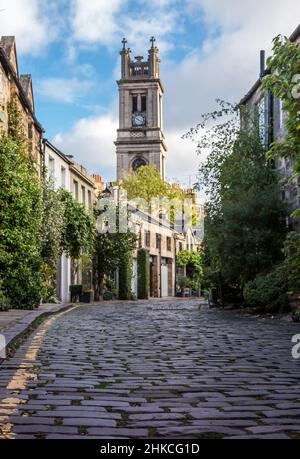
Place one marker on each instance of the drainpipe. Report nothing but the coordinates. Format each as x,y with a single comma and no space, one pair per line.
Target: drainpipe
175,265
43,162
160,279
270,118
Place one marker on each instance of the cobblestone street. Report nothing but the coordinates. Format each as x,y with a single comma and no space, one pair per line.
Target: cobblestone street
163,369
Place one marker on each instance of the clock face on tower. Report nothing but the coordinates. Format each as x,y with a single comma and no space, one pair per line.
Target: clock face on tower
139,120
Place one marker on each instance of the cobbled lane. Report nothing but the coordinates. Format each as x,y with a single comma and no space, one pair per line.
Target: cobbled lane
160,369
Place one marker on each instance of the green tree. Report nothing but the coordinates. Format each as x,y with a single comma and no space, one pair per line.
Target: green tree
143,265
50,236
192,261
20,216
110,251
79,229
244,227
283,82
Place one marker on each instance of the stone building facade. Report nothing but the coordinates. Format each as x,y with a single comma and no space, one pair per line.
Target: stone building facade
272,128
84,190
140,138
163,244
66,174
19,87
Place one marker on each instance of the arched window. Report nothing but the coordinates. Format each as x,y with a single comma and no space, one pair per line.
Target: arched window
138,162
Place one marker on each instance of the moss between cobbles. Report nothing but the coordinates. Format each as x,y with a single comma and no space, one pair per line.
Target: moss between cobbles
75,402
82,430
293,435
123,422
50,407
188,419
153,433
81,390
102,385
40,436
176,392
58,422
210,436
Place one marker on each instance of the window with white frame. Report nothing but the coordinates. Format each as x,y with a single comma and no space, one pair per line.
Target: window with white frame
262,121
63,177
281,115
51,167
83,195
75,190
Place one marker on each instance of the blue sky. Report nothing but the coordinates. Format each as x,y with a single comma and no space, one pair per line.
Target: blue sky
208,48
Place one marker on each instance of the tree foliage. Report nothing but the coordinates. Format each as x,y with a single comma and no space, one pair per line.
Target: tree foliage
244,226
143,268
125,276
283,80
20,216
192,261
79,230
109,253
146,183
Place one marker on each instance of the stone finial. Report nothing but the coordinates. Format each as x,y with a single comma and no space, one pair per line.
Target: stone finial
152,40
124,42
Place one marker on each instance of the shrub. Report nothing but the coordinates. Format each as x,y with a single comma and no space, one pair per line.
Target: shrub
143,274
296,315
269,293
108,296
76,291
125,273
292,261
20,216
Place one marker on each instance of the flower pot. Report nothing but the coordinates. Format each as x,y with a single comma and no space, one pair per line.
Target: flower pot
294,301
87,297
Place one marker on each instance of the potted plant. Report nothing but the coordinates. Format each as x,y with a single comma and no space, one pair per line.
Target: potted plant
296,315
107,296
76,291
182,284
4,303
294,301
87,296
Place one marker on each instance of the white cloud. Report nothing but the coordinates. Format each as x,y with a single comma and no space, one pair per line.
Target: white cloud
227,64
106,22
29,21
95,20
182,160
91,142
63,90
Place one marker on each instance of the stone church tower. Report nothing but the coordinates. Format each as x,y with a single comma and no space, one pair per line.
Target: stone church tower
140,138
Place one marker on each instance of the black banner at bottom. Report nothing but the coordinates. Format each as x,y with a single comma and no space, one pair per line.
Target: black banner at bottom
144,448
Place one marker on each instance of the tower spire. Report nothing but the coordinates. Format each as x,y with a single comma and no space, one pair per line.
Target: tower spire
124,42
152,40
125,59
153,59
